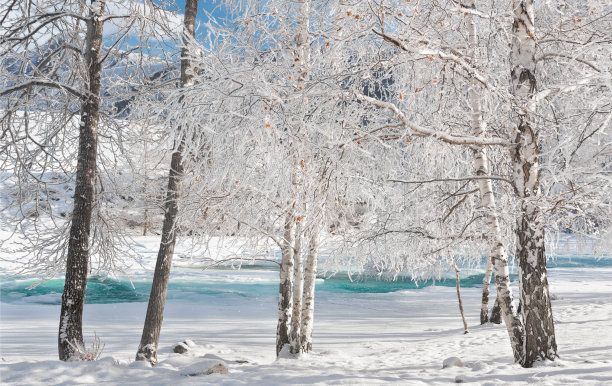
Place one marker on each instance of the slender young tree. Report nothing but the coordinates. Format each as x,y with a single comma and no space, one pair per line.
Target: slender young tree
481,164
457,284
310,271
147,350
302,48
285,292
497,254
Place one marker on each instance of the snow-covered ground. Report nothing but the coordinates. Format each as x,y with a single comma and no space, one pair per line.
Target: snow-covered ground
360,338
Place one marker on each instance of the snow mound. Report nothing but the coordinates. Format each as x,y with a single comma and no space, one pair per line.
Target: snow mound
140,365
180,348
452,362
184,346
205,367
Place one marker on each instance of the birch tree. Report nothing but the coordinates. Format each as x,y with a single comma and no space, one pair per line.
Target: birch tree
270,141
539,338
532,332
533,141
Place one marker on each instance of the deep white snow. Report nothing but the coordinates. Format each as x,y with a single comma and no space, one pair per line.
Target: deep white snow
399,338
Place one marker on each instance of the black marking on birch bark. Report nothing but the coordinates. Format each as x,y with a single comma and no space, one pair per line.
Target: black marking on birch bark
540,343
484,313
496,313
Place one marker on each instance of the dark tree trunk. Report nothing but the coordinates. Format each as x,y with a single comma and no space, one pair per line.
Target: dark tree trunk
73,298
147,350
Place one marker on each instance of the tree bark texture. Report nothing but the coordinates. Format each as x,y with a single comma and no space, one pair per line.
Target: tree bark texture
514,324
73,298
147,350
496,313
298,286
486,283
290,292
497,256
285,291
539,340
310,275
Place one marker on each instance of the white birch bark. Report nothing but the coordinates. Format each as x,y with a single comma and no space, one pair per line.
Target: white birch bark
298,286
539,338
310,275
288,331
285,293
497,254
481,160
486,283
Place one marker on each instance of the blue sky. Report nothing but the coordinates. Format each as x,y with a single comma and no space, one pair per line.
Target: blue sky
204,4
212,6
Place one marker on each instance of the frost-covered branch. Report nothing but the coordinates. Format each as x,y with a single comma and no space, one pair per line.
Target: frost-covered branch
42,83
444,137
561,55
496,178
428,52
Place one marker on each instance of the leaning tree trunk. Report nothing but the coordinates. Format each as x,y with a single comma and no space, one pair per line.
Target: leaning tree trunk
481,161
513,322
70,335
539,340
465,325
285,289
497,253
298,286
147,350
310,276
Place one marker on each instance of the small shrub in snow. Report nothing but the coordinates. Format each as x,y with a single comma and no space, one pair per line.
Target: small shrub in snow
82,354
